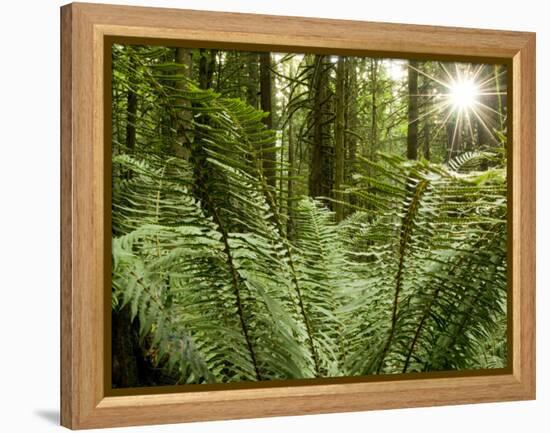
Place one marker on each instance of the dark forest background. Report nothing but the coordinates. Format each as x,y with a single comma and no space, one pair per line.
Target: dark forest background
285,216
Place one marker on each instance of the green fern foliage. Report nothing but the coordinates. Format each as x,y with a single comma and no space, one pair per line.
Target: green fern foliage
437,238
206,233
321,267
414,279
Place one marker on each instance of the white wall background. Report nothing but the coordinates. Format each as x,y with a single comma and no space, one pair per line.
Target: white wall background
29,216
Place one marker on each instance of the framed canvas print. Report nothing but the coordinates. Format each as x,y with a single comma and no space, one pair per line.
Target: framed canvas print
267,216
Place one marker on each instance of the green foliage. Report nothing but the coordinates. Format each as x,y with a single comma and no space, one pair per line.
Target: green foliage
412,280
219,272
324,280
437,238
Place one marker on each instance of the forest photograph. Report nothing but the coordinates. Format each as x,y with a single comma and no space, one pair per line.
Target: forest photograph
280,216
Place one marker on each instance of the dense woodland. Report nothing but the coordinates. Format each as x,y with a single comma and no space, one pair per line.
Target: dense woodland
280,216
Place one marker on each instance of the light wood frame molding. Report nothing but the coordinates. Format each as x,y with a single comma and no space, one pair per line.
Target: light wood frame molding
84,29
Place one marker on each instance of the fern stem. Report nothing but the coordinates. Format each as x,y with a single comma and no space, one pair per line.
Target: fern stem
427,311
466,316
235,283
295,283
419,330
157,206
277,219
204,195
406,231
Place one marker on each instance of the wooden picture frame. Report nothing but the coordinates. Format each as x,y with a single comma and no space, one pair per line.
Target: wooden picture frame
85,32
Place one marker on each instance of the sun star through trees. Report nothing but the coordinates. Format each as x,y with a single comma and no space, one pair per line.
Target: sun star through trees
460,96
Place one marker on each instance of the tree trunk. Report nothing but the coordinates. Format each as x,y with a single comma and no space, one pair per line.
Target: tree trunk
131,111
352,122
351,105
252,88
281,198
131,365
319,174
374,108
268,155
412,130
290,180
124,362
182,146
124,345
339,140
207,65
426,122
265,87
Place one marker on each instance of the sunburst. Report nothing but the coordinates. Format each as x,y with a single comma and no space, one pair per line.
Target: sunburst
463,94
459,96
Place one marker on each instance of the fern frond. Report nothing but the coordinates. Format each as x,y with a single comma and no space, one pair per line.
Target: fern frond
221,175
413,280
439,241
324,281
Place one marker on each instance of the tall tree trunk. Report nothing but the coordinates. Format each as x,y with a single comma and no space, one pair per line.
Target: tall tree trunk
207,66
131,111
290,179
374,108
252,89
319,174
339,140
369,148
124,344
426,88
182,146
268,156
412,130
351,118
352,121
281,198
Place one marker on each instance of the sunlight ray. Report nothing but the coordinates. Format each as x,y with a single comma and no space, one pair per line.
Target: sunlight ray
438,107
431,77
486,107
476,73
442,66
463,88
482,122
493,78
470,126
455,133
443,123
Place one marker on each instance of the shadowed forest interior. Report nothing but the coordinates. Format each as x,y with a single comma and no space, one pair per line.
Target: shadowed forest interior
288,216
